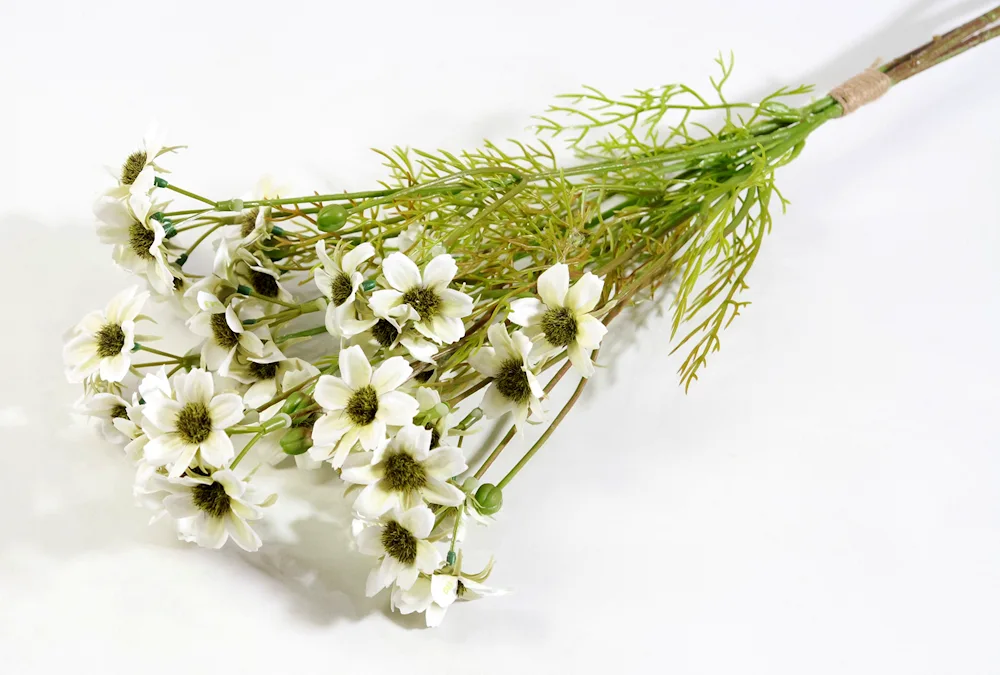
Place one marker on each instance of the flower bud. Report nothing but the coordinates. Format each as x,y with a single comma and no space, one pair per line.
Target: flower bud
490,499
331,218
294,402
296,441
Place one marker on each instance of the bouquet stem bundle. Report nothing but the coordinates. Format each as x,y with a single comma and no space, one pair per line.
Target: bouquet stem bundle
350,328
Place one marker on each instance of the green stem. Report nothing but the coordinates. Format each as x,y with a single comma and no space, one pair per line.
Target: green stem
188,193
318,330
144,348
246,449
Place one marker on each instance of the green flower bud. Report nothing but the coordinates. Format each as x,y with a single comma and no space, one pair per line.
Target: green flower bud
295,402
331,218
490,499
296,441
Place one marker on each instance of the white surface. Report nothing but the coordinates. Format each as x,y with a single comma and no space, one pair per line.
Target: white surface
824,501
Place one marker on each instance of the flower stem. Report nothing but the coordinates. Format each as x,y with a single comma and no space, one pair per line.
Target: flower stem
246,449
190,194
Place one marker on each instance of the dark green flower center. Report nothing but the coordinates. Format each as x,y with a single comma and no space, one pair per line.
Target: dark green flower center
262,371
194,424
435,435
340,289
140,240
264,284
133,166
249,222
224,335
512,382
559,326
178,284
384,332
119,411
399,543
110,340
424,302
403,473
211,498
363,405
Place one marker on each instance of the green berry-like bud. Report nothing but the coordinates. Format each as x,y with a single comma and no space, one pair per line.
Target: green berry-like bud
490,499
331,218
296,441
295,402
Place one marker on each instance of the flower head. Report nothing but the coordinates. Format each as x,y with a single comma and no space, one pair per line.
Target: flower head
338,279
140,244
359,405
435,309
218,506
399,539
190,428
225,335
515,387
404,473
104,340
562,318
435,594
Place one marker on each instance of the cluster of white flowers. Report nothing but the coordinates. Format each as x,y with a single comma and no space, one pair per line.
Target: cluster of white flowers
362,392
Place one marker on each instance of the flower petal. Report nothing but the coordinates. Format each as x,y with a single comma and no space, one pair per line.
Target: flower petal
330,428
393,372
217,449
455,303
585,293
225,410
580,358
437,491
553,284
198,386
439,272
419,521
396,408
180,506
383,301
354,367
374,500
495,404
485,362
445,463
401,273
526,311
211,532
242,533
116,368
372,435
355,257
428,557
332,392
162,413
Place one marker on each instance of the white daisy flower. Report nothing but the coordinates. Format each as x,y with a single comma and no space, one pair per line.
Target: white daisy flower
104,408
258,273
338,279
225,334
219,507
104,340
359,405
389,334
435,594
191,428
435,309
265,377
135,178
252,225
515,387
562,318
139,241
399,539
405,472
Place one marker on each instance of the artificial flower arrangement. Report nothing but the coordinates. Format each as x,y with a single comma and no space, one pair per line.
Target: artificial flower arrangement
373,331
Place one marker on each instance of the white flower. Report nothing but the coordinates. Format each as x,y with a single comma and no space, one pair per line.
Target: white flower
139,241
105,408
406,471
510,363
252,226
360,404
219,507
135,178
436,310
192,427
389,333
266,376
104,340
257,272
338,280
400,540
436,594
224,332
562,317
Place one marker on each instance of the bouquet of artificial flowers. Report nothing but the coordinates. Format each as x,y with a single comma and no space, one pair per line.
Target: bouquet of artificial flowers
374,331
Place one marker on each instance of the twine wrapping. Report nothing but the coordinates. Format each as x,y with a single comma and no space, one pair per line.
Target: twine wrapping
865,87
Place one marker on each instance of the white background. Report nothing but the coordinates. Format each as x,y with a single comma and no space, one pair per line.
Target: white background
825,500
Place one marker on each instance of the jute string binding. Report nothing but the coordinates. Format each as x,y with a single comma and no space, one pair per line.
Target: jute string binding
867,86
